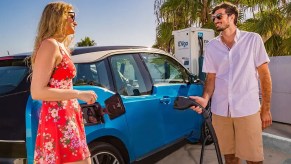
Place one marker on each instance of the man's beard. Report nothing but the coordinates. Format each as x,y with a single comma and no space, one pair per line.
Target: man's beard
222,28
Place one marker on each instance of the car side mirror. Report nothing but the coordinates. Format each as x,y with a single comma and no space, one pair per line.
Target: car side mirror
114,106
193,79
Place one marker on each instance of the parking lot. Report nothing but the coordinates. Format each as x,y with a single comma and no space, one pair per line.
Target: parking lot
190,154
277,149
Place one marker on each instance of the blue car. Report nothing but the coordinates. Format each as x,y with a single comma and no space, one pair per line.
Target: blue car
133,117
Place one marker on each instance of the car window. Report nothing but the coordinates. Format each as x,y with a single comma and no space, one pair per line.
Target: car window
92,74
12,72
128,77
164,69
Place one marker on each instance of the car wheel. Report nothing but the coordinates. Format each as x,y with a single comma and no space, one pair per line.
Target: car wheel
205,132
105,153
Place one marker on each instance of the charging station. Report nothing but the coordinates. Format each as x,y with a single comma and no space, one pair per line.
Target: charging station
189,48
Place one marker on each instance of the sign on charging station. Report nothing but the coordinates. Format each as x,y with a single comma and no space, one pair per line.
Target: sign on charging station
190,45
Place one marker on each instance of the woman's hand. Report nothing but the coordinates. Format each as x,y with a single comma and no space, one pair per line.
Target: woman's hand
89,97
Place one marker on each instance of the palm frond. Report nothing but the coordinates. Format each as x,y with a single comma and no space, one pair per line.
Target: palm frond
285,47
273,45
271,21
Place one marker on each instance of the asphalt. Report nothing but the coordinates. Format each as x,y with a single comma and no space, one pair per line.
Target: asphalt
277,149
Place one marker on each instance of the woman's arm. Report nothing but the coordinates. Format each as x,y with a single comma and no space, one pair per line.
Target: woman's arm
48,56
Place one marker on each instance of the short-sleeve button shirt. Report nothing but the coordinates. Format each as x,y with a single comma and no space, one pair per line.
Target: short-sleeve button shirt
236,92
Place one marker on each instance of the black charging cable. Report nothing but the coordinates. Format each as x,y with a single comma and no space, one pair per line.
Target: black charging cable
183,103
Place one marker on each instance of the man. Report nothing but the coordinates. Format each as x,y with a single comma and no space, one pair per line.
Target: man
234,62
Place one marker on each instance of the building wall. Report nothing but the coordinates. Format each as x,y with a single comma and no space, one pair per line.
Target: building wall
280,68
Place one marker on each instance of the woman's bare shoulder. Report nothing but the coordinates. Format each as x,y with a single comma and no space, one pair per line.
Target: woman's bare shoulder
48,47
49,43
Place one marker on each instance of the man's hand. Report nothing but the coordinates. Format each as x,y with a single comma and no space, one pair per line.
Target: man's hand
202,101
266,118
208,91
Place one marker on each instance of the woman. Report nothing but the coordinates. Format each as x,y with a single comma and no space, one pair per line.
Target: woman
60,137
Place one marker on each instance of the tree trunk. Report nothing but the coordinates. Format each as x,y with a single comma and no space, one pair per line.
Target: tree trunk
204,12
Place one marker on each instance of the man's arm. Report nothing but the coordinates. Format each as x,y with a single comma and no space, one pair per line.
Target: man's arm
209,86
207,93
266,87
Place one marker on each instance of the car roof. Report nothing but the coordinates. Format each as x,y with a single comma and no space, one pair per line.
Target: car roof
99,55
83,50
91,54
15,56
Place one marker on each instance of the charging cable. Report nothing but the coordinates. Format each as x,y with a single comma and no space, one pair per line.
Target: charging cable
183,103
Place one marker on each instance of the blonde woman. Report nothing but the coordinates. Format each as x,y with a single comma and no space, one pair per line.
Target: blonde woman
60,137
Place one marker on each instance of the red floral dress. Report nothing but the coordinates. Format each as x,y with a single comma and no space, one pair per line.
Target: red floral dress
61,136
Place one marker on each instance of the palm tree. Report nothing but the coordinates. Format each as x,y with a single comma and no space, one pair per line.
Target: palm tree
86,42
272,21
270,18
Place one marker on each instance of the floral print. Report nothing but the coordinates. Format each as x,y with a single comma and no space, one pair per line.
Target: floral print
61,136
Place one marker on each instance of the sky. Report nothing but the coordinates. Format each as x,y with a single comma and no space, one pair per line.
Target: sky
107,22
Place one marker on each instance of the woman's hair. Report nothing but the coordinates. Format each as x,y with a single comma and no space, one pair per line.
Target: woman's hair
52,23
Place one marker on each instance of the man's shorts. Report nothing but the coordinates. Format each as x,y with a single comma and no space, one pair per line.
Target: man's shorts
241,136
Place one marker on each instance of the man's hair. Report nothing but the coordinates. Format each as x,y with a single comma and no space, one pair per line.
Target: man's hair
229,9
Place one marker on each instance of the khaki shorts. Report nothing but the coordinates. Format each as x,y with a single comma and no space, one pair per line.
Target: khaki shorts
241,136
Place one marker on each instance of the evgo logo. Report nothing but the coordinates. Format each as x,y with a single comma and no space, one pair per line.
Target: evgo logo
182,44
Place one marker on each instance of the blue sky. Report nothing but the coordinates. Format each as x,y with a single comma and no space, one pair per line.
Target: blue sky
108,22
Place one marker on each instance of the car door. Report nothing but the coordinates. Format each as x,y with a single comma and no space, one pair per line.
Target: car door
171,79
143,112
14,92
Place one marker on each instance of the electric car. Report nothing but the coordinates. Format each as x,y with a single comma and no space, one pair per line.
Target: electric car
133,117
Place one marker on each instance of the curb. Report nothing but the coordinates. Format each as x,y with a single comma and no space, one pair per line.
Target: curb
277,142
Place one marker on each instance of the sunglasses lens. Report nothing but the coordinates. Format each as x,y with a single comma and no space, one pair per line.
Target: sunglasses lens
72,15
218,16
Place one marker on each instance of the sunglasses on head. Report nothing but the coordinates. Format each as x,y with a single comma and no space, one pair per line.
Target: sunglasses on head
72,15
218,16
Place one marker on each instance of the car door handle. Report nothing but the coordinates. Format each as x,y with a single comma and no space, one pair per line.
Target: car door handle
165,100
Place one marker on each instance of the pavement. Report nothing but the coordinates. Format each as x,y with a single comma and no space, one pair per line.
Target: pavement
277,149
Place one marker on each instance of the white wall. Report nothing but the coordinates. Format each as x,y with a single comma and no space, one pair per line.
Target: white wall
280,68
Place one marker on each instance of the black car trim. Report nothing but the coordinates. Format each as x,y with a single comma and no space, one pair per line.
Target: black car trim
109,74
11,94
180,141
145,72
12,149
146,68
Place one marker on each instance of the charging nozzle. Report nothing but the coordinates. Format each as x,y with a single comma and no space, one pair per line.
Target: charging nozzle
183,103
